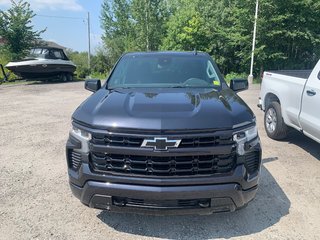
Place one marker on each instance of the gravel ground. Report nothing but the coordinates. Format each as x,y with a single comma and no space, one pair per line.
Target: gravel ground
36,203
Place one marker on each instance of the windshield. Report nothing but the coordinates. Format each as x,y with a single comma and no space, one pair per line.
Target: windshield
164,70
48,53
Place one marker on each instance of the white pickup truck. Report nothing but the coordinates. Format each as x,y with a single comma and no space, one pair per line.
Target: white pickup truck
291,99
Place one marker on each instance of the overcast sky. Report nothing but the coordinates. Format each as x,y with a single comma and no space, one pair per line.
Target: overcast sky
70,31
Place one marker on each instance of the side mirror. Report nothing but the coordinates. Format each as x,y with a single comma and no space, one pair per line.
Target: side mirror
239,85
92,85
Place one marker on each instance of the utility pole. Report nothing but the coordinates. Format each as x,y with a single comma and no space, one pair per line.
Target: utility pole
147,23
250,77
89,42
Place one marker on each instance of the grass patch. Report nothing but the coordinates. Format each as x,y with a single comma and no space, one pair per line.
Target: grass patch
101,76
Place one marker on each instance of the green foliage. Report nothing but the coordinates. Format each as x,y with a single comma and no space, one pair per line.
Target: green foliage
231,42
133,25
16,29
4,56
4,59
185,30
221,28
101,76
100,62
288,34
149,17
81,60
116,20
234,75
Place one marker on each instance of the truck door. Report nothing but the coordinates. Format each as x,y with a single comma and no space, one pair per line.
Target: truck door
310,113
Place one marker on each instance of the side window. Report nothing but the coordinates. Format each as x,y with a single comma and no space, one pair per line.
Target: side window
50,55
37,51
319,75
118,76
211,72
64,56
57,54
45,52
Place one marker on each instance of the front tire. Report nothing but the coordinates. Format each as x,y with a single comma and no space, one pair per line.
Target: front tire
273,122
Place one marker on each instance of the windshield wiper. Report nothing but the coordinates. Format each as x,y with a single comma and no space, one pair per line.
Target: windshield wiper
115,88
190,86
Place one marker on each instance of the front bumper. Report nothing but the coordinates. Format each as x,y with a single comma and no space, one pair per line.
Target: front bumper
220,197
224,194
163,195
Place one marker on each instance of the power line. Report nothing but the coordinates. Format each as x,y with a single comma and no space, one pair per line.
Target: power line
51,16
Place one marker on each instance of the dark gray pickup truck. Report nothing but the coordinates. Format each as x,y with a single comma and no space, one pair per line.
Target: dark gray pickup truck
164,135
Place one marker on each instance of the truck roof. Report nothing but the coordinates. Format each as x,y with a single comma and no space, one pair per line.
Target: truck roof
171,53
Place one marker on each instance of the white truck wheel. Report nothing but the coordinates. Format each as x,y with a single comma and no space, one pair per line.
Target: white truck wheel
273,122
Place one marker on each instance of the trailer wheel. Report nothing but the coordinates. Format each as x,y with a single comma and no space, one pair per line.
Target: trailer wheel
63,77
273,122
69,77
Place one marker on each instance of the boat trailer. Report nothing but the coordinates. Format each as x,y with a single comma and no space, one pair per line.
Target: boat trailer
4,77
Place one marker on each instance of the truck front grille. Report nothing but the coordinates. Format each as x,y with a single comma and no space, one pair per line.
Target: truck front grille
199,153
163,166
134,141
116,141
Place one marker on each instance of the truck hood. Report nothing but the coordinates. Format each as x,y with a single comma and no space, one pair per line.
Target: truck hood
163,109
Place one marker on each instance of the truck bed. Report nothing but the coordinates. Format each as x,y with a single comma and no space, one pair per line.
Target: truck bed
294,73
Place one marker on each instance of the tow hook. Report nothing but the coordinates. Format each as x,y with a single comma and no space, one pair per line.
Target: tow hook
119,202
204,204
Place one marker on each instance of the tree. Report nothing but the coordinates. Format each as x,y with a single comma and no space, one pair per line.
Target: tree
288,31
100,61
186,29
149,18
133,25
289,34
16,29
221,28
116,21
81,60
231,31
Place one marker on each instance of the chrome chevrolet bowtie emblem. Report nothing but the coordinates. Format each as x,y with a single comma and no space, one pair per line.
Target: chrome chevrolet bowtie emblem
160,144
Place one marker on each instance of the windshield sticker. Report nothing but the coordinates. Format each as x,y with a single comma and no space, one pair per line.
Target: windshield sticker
216,83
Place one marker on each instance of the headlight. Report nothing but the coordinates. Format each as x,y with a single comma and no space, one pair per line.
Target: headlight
244,136
81,133
83,136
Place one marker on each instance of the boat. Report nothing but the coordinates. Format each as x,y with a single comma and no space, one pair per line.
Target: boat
44,63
